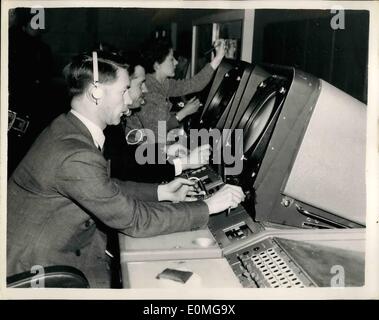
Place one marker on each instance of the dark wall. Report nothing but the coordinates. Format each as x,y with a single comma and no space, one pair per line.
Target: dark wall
302,38
305,39
70,31
73,30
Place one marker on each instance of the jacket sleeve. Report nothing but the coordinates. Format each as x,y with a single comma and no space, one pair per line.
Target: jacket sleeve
82,177
155,172
172,122
139,190
124,166
177,88
148,173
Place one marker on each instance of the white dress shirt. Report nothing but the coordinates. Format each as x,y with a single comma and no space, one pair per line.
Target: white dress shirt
178,166
96,132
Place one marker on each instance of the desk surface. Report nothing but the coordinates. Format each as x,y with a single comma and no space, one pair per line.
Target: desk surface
199,244
207,273
142,259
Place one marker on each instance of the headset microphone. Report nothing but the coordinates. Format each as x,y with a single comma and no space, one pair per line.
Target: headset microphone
97,93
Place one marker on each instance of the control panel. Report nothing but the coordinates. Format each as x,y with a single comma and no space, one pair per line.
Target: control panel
232,227
267,265
207,181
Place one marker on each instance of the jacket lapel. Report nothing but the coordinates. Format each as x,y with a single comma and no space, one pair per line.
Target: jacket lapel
80,126
83,129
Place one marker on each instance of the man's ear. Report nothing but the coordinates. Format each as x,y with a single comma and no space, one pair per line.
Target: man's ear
156,66
94,93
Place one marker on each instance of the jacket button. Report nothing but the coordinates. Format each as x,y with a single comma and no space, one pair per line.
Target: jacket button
78,253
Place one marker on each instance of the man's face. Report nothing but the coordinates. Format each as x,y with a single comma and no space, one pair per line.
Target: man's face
137,87
116,98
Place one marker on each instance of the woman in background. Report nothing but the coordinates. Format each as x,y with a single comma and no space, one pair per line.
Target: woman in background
160,65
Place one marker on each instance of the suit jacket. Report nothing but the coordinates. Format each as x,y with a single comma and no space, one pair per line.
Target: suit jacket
123,163
60,197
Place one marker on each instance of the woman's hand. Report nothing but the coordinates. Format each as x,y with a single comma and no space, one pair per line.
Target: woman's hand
190,108
219,46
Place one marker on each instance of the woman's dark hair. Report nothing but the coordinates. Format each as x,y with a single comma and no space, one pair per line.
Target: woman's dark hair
79,72
155,51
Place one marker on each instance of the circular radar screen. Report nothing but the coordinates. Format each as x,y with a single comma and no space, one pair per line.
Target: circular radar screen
222,98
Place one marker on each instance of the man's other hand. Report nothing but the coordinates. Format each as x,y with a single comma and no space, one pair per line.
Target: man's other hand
228,196
177,150
177,190
197,158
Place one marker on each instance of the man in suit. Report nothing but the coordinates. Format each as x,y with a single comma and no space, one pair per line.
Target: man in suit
61,198
121,150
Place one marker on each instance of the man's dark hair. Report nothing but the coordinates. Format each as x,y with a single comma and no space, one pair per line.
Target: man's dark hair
79,72
155,51
132,59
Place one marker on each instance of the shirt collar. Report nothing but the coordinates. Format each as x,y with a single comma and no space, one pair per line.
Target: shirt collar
96,132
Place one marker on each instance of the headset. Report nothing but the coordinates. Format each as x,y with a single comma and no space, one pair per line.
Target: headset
97,93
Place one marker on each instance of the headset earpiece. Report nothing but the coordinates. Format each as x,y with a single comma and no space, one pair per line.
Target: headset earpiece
97,93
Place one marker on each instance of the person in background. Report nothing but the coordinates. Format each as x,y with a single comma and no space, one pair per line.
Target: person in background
30,73
159,62
61,200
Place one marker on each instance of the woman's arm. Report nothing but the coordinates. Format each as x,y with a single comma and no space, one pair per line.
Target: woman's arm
177,88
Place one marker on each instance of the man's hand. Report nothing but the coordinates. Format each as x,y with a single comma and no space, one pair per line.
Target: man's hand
177,190
177,150
197,158
228,196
